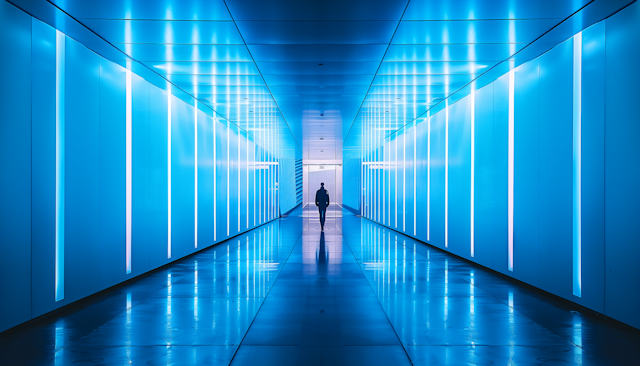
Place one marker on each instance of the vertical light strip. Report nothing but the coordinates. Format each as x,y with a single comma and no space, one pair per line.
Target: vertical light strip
415,171
195,173
428,175
169,171
446,175
215,181
129,102
577,164
511,164
473,168
60,170
239,180
228,175
247,167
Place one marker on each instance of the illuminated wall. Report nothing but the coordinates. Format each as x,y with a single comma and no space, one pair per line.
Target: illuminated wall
106,176
534,175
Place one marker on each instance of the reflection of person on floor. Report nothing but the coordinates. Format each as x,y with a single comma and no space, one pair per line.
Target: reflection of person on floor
322,251
322,201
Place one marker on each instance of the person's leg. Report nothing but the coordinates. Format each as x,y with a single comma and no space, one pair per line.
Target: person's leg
320,215
323,215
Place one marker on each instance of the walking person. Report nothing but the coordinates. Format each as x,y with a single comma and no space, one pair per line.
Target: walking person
322,201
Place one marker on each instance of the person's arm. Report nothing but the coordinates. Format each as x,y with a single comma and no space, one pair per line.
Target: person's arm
317,199
327,199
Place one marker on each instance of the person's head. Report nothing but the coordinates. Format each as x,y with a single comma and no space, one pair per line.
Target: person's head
322,185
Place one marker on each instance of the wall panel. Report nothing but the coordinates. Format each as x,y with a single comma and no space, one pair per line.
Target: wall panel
43,167
142,199
15,159
593,167
82,172
526,172
112,173
555,194
460,178
622,162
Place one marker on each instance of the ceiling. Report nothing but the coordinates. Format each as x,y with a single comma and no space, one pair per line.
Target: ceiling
314,69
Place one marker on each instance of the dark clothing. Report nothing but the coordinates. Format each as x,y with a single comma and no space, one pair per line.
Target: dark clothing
323,215
322,201
322,198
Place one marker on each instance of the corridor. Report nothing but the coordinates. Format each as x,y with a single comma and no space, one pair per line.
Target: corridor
287,294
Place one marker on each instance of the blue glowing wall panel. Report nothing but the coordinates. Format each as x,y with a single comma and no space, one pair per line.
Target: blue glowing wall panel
112,173
15,164
158,185
460,178
409,172
399,189
242,179
622,174
182,179
287,186
142,196
205,180
221,181
233,180
43,167
593,168
82,174
484,213
437,179
526,168
500,150
555,174
421,179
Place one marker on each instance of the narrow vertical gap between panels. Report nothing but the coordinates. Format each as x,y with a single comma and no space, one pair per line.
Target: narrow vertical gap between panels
60,166
511,168
446,175
473,167
195,173
577,165
169,171
129,108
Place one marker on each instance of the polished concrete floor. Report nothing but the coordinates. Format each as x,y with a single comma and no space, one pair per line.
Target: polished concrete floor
287,294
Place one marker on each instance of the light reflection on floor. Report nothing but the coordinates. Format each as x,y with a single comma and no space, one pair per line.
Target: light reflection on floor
287,293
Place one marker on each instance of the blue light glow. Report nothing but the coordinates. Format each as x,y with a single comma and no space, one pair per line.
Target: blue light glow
510,170
577,165
129,168
60,171
168,170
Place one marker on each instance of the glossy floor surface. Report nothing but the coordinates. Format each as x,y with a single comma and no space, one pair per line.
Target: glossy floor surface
288,294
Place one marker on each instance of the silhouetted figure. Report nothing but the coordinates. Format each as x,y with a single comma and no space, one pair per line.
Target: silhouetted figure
322,201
